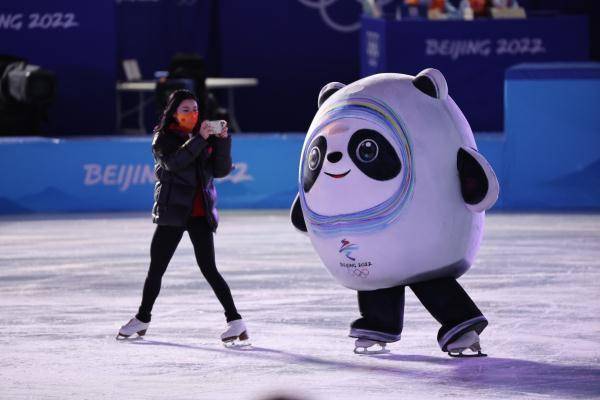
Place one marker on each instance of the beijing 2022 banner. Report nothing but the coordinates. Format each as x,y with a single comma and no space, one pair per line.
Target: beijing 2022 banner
75,40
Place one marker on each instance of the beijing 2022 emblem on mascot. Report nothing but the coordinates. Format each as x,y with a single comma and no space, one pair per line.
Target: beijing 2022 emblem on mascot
393,193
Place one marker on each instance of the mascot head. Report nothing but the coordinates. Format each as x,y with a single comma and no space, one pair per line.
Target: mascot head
390,161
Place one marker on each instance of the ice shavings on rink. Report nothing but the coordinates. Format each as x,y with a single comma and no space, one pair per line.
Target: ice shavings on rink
67,282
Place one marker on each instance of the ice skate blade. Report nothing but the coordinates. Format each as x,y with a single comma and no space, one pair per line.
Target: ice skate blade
139,336
236,344
474,349
366,350
122,338
457,354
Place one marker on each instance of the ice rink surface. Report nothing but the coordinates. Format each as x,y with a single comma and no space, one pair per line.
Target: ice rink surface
67,282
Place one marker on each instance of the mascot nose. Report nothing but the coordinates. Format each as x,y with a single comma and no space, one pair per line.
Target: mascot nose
334,157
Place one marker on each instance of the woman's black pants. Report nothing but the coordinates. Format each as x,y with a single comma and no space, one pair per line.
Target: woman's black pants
164,243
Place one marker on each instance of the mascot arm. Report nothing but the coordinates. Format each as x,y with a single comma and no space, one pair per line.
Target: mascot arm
296,215
478,183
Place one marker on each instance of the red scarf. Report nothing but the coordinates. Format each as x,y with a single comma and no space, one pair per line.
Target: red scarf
178,130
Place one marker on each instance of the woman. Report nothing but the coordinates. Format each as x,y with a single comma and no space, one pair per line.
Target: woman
188,156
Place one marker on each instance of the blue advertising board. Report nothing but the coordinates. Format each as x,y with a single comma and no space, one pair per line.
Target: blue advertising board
117,174
552,150
76,40
472,55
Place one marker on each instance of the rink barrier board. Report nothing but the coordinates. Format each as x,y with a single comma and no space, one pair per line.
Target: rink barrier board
548,158
552,146
116,173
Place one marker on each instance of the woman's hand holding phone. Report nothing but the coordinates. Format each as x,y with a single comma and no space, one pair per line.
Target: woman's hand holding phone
223,133
205,130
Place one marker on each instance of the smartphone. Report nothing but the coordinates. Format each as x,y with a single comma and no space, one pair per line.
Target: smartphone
216,127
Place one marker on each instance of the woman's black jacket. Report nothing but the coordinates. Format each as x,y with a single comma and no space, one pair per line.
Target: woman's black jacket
180,166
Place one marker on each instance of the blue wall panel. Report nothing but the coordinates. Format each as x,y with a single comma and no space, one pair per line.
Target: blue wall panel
104,174
553,136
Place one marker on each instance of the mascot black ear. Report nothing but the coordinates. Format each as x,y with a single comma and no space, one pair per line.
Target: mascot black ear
478,183
327,91
431,82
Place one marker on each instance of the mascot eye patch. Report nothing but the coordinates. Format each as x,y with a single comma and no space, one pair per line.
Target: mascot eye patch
374,155
314,162
314,158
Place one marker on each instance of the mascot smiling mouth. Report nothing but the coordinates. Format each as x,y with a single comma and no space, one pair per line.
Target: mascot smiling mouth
337,176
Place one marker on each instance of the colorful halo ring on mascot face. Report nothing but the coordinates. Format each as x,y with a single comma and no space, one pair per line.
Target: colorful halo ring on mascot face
381,215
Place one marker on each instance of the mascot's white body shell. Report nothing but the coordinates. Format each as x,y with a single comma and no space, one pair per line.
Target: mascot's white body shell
374,224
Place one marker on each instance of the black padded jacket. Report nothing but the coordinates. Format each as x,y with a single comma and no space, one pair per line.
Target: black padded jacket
180,165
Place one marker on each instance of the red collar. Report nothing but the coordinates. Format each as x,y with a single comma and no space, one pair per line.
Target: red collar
177,129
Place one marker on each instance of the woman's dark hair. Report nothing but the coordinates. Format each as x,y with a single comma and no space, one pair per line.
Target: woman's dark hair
173,102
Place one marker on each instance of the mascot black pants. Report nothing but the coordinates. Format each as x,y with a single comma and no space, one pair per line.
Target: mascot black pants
382,311
164,243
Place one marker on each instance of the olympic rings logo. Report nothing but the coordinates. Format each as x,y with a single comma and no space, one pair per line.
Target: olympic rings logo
360,272
324,5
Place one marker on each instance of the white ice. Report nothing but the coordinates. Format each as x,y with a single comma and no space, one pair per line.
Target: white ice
67,282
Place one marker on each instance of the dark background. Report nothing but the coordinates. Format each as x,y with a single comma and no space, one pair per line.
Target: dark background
287,45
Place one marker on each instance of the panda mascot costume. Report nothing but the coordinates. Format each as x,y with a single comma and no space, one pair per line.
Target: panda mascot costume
393,193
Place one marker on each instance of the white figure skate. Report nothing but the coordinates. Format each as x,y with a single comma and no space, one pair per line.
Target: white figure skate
133,326
236,334
368,346
468,341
